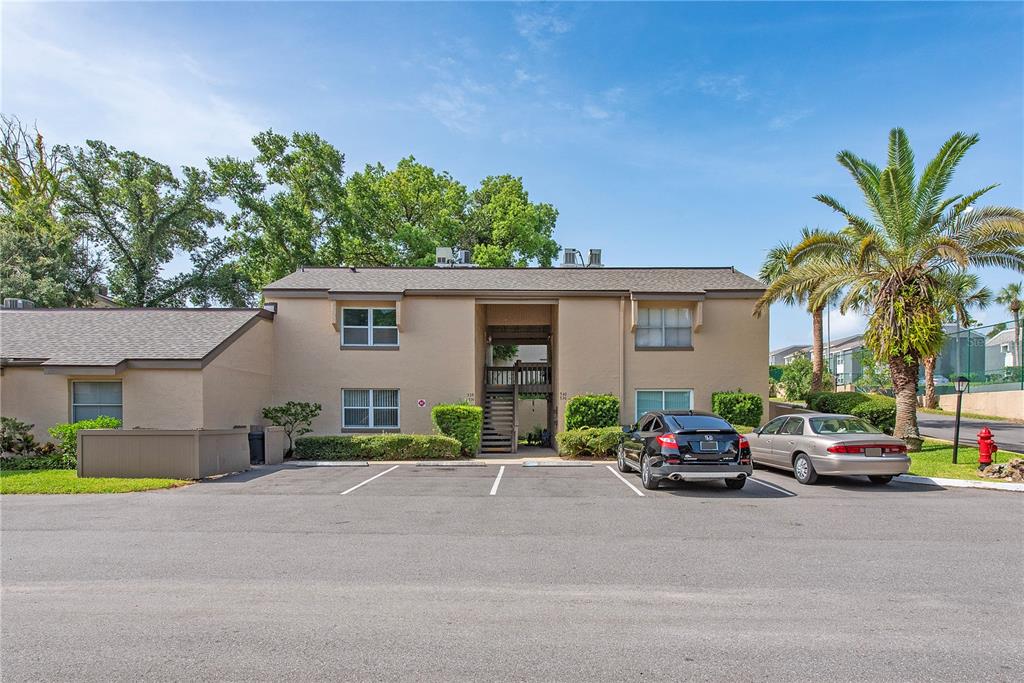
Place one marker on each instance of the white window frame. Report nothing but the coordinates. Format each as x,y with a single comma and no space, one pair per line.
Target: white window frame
664,327
369,327
370,408
636,399
74,418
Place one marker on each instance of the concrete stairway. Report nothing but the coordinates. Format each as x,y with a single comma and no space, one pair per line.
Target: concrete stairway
499,419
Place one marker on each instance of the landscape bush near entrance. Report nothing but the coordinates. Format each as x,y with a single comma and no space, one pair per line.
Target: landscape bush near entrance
737,408
600,442
378,447
462,422
592,410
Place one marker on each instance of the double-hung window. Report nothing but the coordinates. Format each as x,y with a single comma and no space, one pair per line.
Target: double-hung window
369,408
369,327
663,399
90,400
664,328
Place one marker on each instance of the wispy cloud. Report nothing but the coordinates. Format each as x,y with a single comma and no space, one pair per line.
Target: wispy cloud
788,118
731,86
171,108
540,28
456,106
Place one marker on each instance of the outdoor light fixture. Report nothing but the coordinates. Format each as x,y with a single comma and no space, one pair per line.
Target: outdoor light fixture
961,383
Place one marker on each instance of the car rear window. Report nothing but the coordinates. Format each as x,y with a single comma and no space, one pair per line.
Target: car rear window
685,422
842,425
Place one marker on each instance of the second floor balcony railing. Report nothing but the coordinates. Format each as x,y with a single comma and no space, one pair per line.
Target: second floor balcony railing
526,377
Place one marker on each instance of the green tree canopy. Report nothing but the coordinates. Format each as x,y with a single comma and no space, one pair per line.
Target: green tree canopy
289,203
141,215
42,256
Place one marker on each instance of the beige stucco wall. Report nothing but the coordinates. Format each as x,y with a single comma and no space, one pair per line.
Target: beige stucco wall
162,399
30,396
436,359
236,384
231,390
996,403
729,353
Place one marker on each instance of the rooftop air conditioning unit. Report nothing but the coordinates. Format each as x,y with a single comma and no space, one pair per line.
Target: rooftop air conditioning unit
463,258
18,303
443,257
594,259
571,258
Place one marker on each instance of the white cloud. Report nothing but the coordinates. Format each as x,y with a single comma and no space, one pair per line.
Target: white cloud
595,112
724,85
540,28
788,118
457,107
75,85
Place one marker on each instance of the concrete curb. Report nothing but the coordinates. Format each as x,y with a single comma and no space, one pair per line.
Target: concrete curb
962,483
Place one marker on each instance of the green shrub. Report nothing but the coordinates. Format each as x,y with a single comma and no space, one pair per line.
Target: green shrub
879,411
592,410
836,402
589,441
67,436
737,407
464,423
378,447
16,437
295,417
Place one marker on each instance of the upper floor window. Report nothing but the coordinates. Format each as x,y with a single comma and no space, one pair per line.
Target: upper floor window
369,327
664,328
90,400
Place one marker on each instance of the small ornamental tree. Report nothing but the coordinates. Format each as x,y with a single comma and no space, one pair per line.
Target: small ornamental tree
294,416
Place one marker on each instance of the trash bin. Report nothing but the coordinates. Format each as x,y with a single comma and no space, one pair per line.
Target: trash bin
256,453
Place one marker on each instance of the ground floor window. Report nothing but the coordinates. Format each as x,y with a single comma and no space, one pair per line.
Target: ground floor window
663,399
369,408
90,400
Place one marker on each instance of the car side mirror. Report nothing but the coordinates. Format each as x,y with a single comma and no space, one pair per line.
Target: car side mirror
627,429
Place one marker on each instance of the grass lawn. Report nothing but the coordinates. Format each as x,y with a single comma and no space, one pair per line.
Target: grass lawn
936,460
973,416
67,481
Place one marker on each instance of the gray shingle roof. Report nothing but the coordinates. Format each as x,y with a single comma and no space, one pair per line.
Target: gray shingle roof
108,336
399,280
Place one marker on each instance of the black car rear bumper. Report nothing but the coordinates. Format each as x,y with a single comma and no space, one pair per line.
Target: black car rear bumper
685,471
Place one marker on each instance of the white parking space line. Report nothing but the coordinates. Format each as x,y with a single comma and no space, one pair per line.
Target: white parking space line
497,480
635,489
772,486
379,474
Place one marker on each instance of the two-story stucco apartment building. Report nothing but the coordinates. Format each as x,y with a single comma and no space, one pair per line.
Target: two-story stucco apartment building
377,347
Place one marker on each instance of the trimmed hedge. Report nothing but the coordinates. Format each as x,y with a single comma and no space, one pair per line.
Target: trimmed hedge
836,402
879,411
589,441
378,447
736,407
592,410
462,422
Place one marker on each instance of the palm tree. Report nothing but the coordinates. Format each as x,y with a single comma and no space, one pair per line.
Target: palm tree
957,293
1012,296
892,263
778,262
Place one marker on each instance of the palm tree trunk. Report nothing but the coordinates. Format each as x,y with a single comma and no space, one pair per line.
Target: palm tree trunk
904,382
931,399
817,350
1016,338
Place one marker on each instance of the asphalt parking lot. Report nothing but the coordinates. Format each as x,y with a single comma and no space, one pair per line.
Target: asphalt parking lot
469,572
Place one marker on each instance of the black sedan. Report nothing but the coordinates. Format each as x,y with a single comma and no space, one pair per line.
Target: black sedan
684,445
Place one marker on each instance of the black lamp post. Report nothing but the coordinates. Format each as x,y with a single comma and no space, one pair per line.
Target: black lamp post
961,384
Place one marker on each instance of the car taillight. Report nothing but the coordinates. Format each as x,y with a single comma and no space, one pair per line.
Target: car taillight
667,440
744,443
843,448
862,448
895,449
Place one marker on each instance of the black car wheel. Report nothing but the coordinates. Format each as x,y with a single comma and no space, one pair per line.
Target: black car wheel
623,465
803,469
880,479
736,484
647,477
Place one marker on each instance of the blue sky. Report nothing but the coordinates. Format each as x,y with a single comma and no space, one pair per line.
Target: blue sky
665,134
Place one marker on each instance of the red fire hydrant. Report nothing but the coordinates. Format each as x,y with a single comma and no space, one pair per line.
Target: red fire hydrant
986,447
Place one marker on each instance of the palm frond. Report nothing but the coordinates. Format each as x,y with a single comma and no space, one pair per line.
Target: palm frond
939,171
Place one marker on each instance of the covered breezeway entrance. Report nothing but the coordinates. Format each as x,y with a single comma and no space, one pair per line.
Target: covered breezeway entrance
518,395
